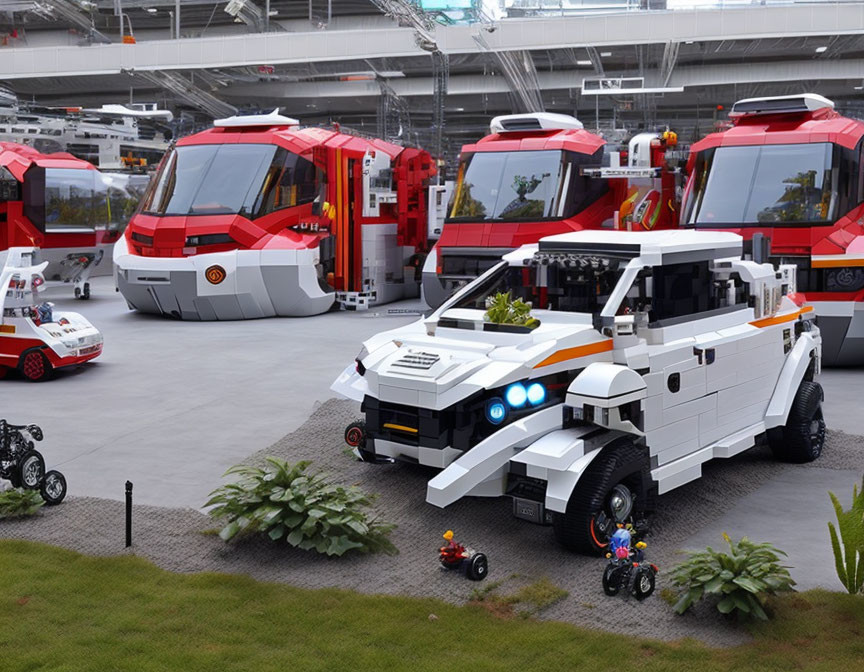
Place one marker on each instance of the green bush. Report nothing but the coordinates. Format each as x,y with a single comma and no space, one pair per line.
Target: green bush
17,503
849,558
740,579
502,309
306,510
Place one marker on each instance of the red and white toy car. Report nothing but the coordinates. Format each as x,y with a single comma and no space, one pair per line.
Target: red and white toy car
34,338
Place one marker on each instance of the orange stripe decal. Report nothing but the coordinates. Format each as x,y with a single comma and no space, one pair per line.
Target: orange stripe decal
835,263
7,328
780,319
578,351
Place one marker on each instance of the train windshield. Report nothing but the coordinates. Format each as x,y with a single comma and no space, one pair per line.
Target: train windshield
524,186
763,185
245,179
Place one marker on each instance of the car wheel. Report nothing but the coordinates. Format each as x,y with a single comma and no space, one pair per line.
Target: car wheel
477,567
31,470
802,438
612,490
53,488
644,583
355,436
34,366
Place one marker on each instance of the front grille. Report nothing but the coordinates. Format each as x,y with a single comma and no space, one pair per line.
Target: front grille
418,360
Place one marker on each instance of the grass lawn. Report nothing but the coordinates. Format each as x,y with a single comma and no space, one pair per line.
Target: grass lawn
63,611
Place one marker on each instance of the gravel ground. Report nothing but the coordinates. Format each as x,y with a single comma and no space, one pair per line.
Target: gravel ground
173,539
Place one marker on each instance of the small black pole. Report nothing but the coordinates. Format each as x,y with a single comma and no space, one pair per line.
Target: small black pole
128,514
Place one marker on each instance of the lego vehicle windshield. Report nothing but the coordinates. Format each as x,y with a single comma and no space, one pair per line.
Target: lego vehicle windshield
764,185
526,186
237,179
571,283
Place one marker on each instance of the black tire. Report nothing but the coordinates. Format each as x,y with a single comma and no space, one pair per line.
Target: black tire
611,580
588,523
31,470
53,488
802,438
644,583
355,436
34,366
86,293
477,567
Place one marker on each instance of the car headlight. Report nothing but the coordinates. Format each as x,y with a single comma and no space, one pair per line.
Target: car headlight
496,411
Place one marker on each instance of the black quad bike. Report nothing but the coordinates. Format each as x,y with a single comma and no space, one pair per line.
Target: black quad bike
23,466
627,569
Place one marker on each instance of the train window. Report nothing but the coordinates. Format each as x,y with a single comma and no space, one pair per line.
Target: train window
291,180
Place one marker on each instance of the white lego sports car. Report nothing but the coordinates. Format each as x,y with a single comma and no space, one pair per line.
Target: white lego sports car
655,352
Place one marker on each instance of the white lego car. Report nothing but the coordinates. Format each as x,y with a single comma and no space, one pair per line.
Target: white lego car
655,352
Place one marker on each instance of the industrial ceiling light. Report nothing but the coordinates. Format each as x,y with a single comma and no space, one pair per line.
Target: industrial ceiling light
583,62
151,10
605,54
821,50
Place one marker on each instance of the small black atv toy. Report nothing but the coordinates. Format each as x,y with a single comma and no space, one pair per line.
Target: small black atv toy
627,569
455,556
23,466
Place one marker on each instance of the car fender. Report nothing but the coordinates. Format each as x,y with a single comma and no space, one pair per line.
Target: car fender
797,363
560,482
351,384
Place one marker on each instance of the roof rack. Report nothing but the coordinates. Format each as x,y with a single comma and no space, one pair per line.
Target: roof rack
272,119
536,121
805,102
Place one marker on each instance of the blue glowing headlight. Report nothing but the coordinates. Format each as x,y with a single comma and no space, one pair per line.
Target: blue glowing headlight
496,411
536,394
516,395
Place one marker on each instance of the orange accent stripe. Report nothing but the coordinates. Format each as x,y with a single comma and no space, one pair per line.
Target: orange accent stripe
401,428
780,319
7,328
836,263
578,351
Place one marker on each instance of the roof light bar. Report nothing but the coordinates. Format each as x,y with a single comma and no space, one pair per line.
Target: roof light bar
272,119
537,121
805,102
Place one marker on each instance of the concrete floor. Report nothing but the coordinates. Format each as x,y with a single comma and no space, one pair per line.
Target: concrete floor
171,405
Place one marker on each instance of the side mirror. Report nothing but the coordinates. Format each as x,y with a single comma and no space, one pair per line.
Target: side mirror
625,325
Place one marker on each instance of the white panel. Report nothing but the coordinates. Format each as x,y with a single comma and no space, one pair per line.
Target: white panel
673,481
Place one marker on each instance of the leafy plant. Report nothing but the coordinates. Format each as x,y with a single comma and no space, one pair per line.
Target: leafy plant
17,503
849,558
306,510
740,579
503,309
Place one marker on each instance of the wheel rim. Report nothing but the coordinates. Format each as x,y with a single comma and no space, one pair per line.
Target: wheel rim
31,472
644,583
354,436
620,503
34,365
53,486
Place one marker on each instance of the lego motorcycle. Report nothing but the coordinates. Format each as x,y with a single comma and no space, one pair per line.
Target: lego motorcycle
455,556
23,466
627,569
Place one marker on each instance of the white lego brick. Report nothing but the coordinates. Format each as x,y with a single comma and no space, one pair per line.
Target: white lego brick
662,357
689,409
654,383
742,396
669,483
399,395
653,412
738,442
682,464
676,452
672,434
720,377
684,395
707,424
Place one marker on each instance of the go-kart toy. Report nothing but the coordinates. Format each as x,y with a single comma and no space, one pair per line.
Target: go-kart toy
23,466
627,568
455,556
